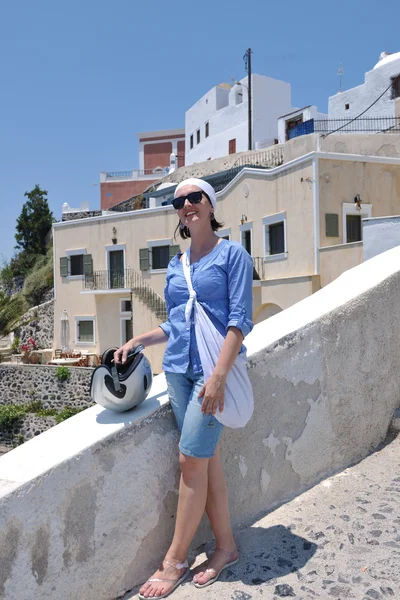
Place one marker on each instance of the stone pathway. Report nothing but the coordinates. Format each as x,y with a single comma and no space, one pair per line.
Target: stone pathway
339,540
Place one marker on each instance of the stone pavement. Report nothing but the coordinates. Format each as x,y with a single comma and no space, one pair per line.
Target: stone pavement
339,540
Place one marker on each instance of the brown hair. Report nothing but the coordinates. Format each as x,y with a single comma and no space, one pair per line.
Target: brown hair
185,232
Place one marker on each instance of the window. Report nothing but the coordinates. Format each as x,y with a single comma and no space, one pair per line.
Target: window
275,237
191,141
246,240
159,257
352,221
84,330
395,86
347,106
207,129
126,330
125,305
246,236
198,136
76,265
353,228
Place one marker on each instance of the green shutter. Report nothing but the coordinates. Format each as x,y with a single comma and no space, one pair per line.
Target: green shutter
173,250
332,225
87,264
144,259
64,266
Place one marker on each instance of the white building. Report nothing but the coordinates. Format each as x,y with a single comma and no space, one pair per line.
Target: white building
217,124
289,125
349,104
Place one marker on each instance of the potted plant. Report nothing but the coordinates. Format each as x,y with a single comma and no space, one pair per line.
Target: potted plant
28,352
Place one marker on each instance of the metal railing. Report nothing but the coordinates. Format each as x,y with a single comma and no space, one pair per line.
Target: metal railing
127,279
136,174
362,125
266,159
156,172
258,268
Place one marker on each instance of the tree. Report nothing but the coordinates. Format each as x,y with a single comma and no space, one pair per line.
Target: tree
34,223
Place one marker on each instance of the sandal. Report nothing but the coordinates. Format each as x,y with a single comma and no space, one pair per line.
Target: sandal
213,579
176,582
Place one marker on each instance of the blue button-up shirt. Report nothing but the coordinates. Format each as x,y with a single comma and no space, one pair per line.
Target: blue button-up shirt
222,281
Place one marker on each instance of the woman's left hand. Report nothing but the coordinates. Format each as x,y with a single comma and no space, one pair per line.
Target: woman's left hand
213,394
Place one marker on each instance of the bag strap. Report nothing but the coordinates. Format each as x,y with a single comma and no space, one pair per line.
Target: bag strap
192,293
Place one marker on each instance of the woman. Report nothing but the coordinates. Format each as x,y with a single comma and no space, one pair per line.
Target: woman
221,274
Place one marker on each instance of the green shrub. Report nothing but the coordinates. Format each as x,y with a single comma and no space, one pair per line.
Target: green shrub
37,283
67,412
10,414
15,346
47,412
34,406
63,373
12,308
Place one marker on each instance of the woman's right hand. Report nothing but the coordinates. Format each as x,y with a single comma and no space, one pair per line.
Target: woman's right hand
121,354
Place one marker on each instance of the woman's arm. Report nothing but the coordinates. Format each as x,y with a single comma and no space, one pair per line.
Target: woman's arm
151,338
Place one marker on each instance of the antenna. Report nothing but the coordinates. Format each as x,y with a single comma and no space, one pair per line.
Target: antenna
340,73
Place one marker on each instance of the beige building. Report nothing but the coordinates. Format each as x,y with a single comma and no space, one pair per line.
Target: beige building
300,221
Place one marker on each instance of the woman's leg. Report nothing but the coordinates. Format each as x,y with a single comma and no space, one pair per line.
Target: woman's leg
199,437
191,505
218,513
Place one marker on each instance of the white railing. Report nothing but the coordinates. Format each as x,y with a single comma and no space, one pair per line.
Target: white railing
134,174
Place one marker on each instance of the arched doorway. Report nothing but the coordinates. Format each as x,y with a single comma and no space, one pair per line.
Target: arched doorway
265,311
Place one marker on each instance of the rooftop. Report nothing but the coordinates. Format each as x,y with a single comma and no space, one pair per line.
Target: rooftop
386,58
161,133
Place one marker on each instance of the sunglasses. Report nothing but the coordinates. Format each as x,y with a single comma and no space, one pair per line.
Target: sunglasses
193,197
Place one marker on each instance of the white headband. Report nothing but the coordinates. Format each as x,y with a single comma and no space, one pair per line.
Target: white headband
203,185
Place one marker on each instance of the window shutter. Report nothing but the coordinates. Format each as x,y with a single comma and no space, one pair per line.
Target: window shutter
332,225
87,264
64,266
144,259
173,250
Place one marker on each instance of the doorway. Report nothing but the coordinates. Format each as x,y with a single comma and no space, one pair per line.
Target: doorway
116,273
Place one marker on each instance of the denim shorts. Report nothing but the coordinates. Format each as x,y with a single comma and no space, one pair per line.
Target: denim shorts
200,433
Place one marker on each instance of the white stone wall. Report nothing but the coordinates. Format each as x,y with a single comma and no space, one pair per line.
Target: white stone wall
227,120
362,96
88,507
380,234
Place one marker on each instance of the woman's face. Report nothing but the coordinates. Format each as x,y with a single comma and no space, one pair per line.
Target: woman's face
194,215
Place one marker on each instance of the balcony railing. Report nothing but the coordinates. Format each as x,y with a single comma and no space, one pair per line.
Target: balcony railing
127,279
258,268
362,125
134,174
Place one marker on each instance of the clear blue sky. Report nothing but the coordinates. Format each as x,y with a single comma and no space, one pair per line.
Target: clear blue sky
79,79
